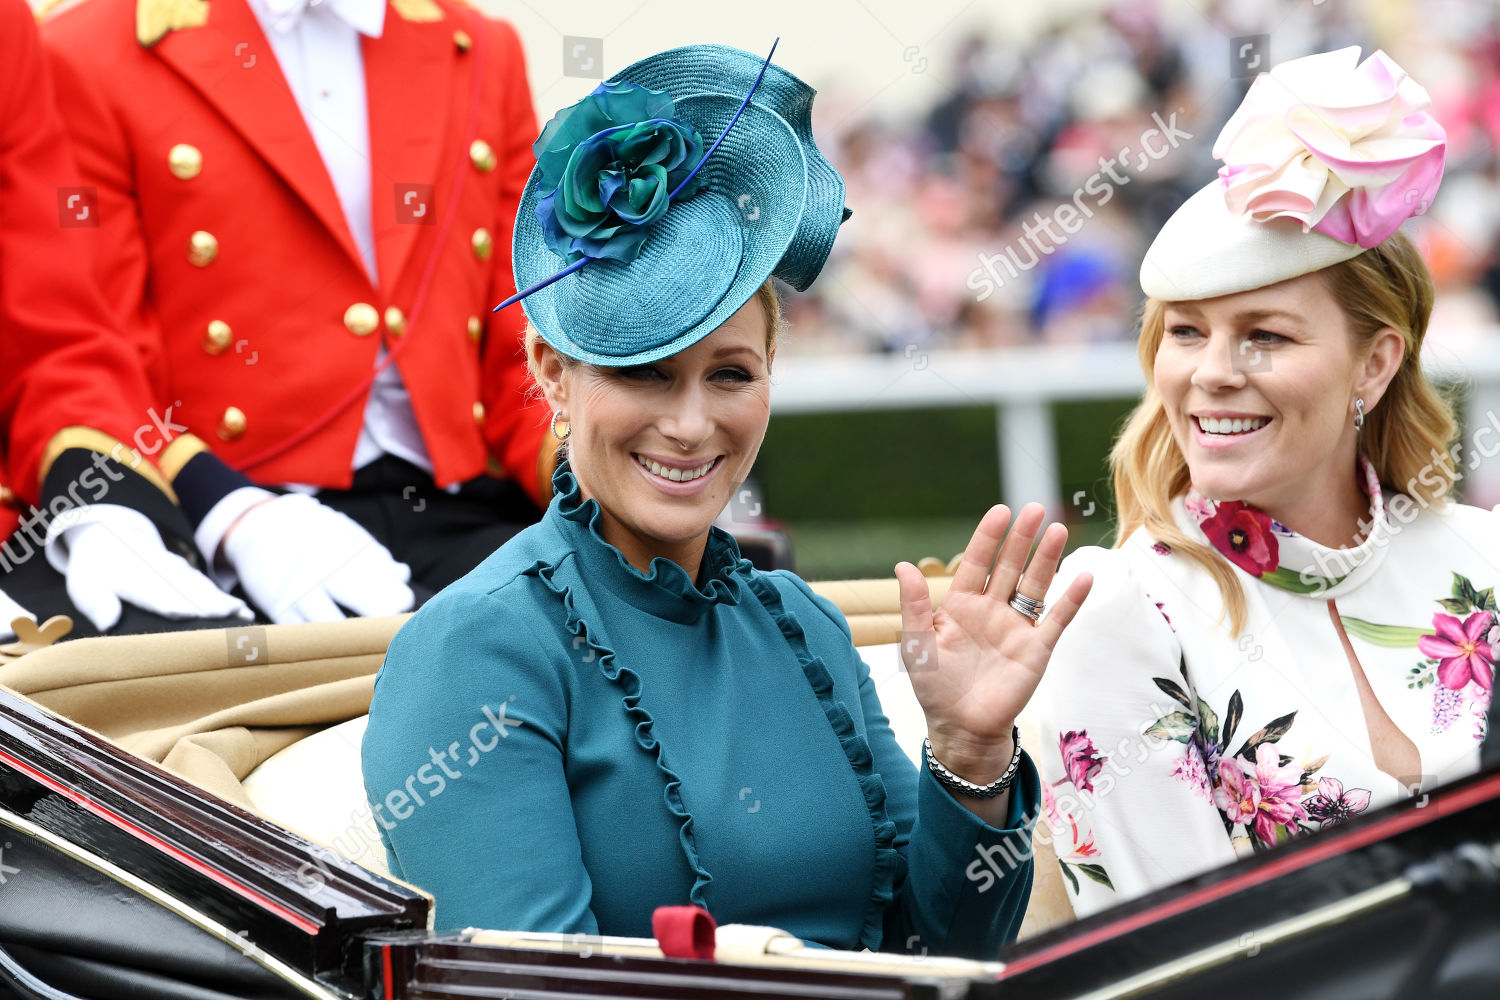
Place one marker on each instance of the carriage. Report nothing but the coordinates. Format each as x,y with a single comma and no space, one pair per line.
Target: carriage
183,818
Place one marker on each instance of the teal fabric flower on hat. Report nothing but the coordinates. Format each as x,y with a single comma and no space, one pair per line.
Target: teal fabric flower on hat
625,163
605,168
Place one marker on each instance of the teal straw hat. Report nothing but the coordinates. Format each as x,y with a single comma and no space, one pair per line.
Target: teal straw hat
662,201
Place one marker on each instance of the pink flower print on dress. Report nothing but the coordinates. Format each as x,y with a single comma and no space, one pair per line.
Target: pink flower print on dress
1080,759
1332,805
1191,771
1280,804
1265,798
1237,794
1083,847
1198,505
1076,846
1462,650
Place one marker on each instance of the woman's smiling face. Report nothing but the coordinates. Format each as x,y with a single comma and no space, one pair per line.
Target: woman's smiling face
1259,391
662,446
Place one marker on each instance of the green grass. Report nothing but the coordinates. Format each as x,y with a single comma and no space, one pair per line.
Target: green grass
859,492
833,550
845,550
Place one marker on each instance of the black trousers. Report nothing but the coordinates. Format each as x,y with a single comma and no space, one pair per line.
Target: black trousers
440,535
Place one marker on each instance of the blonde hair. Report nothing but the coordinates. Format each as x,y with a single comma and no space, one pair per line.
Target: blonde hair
1388,285
766,294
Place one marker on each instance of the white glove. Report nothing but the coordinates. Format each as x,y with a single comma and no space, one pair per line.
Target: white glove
111,553
9,612
299,560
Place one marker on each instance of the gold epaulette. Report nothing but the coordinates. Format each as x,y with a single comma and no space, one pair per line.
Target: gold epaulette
418,10
155,19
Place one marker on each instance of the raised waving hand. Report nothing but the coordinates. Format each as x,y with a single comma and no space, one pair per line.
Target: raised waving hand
982,656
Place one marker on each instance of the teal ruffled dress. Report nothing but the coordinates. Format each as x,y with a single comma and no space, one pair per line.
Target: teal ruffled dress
559,742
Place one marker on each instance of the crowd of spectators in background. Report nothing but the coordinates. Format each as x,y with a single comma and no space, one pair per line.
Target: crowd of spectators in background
1027,126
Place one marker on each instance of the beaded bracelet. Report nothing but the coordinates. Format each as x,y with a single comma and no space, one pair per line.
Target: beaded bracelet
965,787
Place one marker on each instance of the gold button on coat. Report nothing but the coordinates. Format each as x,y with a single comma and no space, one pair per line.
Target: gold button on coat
476,328
395,321
361,319
218,337
479,413
232,423
482,155
203,247
185,161
482,243
6,497
463,41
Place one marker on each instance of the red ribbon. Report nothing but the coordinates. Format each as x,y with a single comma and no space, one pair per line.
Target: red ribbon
684,932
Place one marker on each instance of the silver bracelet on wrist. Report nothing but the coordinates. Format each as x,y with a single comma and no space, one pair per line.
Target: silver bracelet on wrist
965,787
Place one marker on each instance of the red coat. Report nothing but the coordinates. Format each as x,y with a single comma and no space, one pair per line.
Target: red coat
258,329
62,362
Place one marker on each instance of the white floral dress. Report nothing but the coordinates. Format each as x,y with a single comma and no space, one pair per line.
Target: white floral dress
1171,747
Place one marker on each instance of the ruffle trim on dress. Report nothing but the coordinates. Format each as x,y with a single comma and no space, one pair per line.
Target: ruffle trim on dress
721,558
630,682
889,864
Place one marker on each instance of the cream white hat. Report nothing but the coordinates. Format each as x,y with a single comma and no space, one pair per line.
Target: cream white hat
1325,158
1205,251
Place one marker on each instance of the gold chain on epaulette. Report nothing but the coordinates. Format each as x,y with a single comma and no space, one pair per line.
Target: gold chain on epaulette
155,19
418,10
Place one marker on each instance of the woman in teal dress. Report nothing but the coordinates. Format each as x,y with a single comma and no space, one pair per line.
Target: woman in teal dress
615,711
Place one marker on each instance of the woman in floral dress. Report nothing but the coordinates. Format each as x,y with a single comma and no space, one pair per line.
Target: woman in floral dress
1298,624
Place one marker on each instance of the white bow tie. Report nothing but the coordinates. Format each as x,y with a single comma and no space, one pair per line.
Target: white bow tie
365,16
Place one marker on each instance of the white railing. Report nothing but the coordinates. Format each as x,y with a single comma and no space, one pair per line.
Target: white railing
1023,383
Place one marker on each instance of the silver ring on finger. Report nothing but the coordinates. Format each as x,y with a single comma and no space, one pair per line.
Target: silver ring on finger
1028,606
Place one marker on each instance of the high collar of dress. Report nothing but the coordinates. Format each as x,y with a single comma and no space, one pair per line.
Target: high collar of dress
666,591
1275,554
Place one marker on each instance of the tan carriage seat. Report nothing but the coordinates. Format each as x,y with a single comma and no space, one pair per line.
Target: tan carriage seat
271,717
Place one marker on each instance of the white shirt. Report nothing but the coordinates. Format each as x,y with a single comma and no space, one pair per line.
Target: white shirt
1148,701
317,44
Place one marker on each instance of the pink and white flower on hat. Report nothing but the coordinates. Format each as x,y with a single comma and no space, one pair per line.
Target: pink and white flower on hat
1347,148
